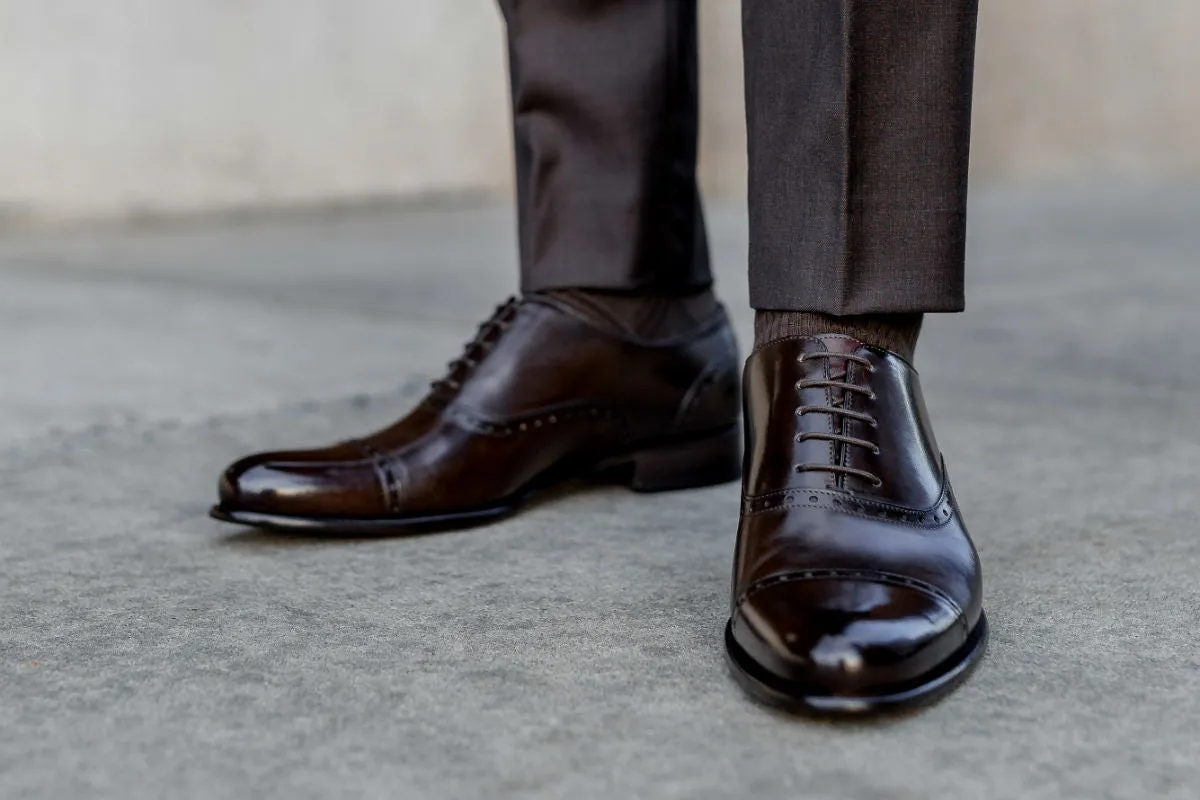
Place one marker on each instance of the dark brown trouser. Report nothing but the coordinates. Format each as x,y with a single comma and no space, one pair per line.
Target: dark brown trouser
858,113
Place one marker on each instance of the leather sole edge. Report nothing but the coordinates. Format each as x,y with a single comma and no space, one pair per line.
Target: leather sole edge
790,697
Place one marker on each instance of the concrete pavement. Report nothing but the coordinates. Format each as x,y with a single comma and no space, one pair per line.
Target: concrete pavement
573,651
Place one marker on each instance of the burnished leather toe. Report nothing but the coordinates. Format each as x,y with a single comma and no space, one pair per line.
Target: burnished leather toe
845,635
301,483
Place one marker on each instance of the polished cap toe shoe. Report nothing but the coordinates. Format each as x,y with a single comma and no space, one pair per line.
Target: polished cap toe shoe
856,587
540,396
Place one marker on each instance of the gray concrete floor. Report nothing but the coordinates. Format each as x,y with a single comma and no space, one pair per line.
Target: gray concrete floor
574,651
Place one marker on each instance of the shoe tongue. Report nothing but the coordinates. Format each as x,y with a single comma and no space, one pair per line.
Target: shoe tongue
832,343
833,368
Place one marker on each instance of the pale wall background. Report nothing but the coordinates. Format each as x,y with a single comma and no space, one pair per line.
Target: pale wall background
139,107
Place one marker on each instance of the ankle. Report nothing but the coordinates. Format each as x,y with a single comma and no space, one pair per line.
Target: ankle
645,316
895,332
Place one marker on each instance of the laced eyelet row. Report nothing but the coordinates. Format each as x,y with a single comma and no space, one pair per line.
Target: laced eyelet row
476,350
801,438
858,416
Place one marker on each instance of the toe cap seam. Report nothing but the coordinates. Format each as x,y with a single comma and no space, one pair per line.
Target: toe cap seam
873,576
388,481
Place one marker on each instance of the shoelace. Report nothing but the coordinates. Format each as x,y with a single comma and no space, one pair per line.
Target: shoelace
836,410
475,349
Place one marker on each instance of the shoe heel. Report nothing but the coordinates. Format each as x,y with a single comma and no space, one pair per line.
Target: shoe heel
688,465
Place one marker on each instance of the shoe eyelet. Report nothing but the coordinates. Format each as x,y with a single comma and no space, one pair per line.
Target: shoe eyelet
876,451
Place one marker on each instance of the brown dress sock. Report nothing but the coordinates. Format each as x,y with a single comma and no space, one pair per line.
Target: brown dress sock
641,316
895,332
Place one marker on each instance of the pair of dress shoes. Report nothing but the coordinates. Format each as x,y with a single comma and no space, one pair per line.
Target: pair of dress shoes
855,585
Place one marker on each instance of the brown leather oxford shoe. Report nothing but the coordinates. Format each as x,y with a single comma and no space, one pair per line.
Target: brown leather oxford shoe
855,585
539,397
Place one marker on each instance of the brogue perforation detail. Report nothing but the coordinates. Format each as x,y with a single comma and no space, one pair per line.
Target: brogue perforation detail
876,576
935,516
522,425
537,398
